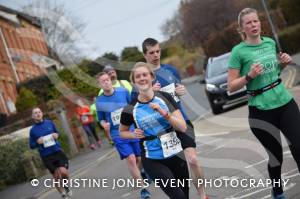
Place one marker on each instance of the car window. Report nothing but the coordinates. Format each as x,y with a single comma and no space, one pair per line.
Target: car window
217,67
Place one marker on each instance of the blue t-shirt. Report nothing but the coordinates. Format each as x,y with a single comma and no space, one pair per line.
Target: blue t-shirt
109,108
151,122
44,128
167,75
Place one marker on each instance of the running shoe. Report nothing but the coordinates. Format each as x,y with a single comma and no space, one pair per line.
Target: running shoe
280,196
93,147
145,194
68,191
64,195
99,143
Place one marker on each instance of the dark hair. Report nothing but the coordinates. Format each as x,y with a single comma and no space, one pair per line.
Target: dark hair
148,42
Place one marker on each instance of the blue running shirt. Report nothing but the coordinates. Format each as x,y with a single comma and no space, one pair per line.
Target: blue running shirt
168,77
44,129
109,108
151,122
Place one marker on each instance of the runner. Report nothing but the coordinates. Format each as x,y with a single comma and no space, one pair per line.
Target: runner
43,136
111,71
86,119
109,107
156,116
272,109
168,80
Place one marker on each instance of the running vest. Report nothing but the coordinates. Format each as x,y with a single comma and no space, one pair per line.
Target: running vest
161,141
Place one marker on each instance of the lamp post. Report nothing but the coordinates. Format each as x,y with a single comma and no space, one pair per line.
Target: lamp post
272,25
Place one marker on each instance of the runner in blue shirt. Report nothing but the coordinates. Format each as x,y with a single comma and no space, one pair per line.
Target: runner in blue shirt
168,80
109,106
156,117
43,136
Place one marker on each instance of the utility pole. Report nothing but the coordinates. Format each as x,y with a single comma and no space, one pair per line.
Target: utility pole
272,25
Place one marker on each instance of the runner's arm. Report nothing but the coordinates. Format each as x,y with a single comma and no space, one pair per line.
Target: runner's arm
235,81
32,142
177,121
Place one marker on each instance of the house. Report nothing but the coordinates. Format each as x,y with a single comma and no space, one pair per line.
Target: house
23,54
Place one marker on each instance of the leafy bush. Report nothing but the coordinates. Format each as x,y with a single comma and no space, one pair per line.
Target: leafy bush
26,99
290,39
12,167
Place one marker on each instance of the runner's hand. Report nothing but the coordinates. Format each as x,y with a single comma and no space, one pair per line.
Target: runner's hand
284,59
157,108
55,135
138,133
255,70
40,140
106,126
156,86
180,89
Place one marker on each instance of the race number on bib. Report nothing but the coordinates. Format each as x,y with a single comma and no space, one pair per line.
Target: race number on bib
171,90
116,116
170,144
48,140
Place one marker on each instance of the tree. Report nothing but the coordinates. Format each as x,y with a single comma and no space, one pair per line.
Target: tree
196,20
291,10
172,27
61,29
26,99
111,56
131,54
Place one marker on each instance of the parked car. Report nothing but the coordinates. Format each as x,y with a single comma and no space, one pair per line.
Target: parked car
215,80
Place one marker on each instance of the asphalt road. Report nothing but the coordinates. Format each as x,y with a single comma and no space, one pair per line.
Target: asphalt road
226,148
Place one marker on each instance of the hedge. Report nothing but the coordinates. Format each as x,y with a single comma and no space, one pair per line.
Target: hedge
14,161
290,39
19,163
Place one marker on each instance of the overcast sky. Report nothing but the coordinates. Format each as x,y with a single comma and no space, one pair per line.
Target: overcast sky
112,25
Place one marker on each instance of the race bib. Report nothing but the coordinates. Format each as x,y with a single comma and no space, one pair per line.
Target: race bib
48,140
84,118
116,116
171,90
170,144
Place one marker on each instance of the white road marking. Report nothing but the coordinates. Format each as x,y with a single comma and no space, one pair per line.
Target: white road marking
255,164
126,195
211,134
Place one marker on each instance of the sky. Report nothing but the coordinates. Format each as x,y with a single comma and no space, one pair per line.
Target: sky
112,25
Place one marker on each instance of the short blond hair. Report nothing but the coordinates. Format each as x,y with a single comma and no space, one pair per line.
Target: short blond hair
140,65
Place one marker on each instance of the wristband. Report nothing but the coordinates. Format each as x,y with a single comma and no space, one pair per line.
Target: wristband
167,115
248,78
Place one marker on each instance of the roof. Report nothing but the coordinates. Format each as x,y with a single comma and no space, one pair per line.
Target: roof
33,20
